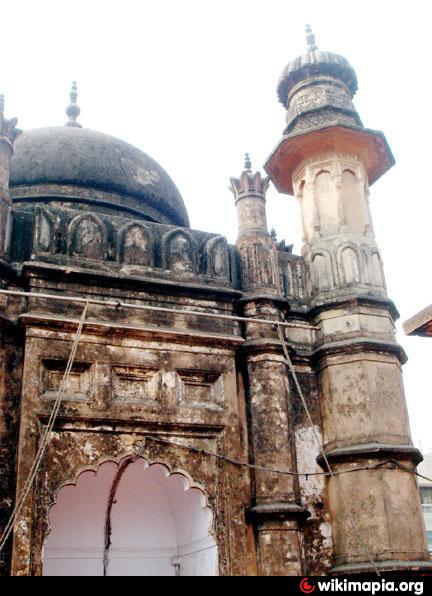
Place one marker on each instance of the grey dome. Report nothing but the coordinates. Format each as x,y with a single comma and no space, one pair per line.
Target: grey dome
87,159
312,64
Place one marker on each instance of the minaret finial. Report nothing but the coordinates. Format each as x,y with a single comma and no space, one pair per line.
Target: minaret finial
248,163
73,110
310,39
2,105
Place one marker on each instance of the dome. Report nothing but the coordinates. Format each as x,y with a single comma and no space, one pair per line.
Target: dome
312,64
48,160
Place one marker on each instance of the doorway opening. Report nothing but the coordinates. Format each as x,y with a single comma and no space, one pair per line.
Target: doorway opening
159,525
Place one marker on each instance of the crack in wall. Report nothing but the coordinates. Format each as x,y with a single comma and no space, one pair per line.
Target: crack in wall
111,502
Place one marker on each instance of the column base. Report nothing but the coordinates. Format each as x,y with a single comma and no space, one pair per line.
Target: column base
279,538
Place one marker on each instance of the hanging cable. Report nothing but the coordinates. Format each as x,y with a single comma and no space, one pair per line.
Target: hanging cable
234,462
45,436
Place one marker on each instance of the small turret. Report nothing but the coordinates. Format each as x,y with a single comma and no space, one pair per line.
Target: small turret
256,247
8,135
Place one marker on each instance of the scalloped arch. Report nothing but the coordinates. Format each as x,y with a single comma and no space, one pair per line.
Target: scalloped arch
172,471
159,521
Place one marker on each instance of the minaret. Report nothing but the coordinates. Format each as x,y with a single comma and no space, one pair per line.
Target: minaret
328,160
275,511
8,134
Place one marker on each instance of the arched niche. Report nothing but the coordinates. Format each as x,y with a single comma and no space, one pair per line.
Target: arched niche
322,272
180,252
135,245
349,262
354,203
44,239
217,257
327,203
160,525
376,270
87,237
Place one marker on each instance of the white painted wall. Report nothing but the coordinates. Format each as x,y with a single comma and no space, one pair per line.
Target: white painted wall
425,469
157,522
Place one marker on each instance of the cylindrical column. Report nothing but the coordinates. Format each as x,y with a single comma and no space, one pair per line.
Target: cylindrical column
275,510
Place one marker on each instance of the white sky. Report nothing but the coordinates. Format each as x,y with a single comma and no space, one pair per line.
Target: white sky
193,83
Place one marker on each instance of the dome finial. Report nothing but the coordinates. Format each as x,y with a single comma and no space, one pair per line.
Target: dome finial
248,163
73,110
310,39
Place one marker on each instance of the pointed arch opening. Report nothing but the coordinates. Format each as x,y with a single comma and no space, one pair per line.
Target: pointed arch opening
159,523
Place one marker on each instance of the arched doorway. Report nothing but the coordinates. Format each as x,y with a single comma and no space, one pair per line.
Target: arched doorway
158,525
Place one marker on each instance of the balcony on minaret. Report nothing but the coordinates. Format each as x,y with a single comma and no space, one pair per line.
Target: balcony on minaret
317,90
328,160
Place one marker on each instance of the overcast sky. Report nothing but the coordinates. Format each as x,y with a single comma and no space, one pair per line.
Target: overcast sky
193,83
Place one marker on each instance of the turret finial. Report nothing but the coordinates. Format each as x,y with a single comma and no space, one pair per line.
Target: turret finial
8,129
248,163
73,110
310,39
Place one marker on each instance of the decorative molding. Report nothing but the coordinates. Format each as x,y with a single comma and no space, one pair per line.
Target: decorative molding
201,389
371,451
138,385
80,380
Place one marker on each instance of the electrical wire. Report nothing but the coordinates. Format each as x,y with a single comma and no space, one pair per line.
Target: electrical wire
161,309
243,464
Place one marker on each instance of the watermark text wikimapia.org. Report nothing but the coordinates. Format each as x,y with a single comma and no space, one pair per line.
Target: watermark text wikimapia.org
309,586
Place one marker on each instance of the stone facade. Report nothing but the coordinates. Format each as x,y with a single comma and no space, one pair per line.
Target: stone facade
209,385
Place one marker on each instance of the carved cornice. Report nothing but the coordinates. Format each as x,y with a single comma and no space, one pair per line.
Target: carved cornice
48,322
106,279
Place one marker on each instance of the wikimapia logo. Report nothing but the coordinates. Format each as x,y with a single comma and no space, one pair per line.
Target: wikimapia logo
368,587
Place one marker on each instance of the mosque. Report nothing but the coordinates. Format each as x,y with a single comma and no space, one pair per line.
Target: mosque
174,405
